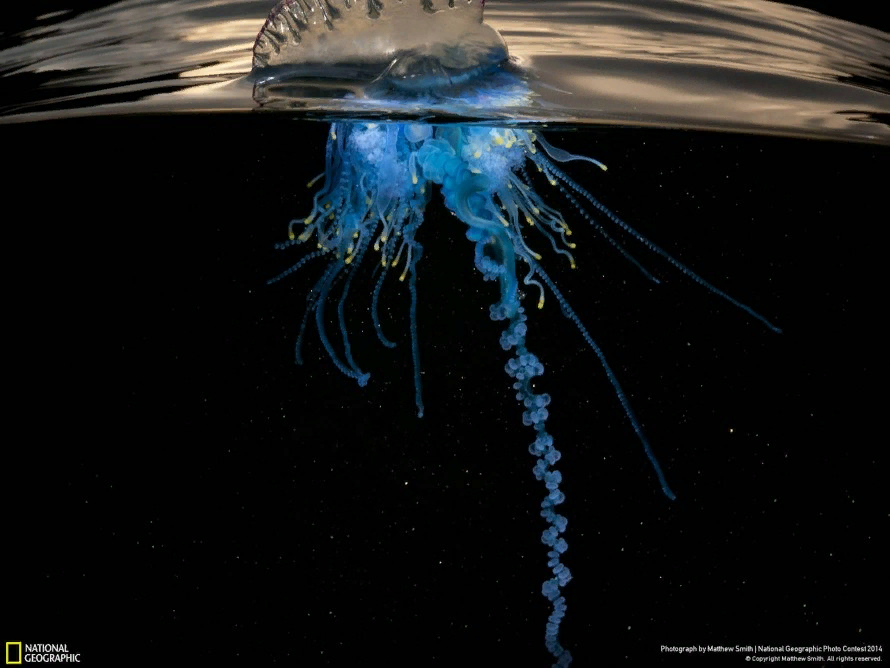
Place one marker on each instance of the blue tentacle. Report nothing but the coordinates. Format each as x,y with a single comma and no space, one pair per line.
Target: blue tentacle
613,379
375,316
655,248
359,376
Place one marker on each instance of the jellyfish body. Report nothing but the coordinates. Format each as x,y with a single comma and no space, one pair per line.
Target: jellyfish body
379,178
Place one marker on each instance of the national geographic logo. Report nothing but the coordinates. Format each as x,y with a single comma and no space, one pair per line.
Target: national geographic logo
18,653
13,653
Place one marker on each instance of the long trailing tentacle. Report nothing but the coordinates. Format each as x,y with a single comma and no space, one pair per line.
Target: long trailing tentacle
682,268
359,376
613,379
311,299
605,235
341,317
416,253
375,315
294,267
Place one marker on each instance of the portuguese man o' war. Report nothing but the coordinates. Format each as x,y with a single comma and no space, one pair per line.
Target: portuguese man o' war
379,178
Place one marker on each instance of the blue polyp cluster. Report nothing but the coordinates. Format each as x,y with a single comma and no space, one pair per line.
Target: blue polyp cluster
490,270
524,367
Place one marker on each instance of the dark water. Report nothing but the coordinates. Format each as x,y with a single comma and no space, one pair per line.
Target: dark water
177,491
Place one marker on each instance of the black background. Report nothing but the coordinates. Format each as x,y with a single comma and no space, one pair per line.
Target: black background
178,491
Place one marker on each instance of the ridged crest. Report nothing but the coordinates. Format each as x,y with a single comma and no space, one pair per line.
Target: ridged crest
378,32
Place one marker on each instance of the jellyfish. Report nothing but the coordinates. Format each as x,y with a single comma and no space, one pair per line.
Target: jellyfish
379,177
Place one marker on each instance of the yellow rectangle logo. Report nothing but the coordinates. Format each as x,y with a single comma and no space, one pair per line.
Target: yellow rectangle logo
13,653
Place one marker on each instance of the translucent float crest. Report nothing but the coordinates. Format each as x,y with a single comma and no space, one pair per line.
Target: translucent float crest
414,44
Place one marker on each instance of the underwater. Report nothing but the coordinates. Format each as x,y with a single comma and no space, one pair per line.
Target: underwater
444,333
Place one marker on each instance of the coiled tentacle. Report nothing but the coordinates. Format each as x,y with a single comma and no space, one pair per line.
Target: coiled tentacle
523,368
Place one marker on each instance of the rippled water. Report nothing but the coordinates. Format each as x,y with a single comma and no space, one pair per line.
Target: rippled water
744,65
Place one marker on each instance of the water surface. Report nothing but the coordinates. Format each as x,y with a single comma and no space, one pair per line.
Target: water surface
745,65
